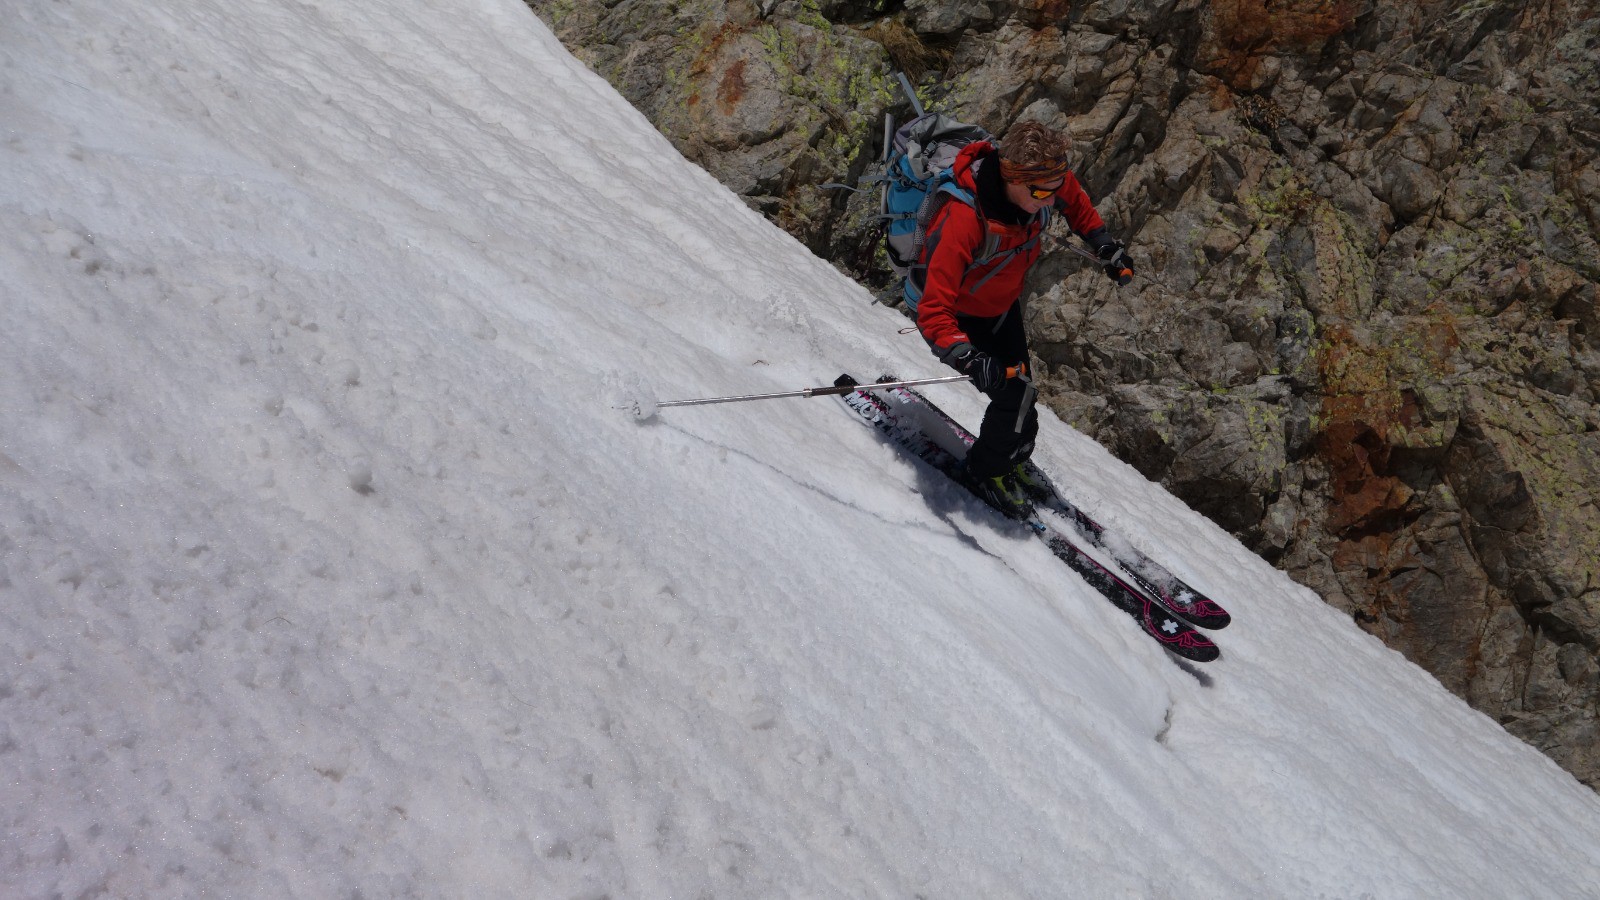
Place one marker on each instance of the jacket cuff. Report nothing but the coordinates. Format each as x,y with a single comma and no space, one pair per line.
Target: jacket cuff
947,354
1100,237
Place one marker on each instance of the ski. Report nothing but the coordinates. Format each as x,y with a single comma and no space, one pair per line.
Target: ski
1194,607
1155,620
1154,579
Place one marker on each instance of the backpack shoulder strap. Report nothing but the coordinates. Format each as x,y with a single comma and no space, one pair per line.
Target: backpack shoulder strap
1041,221
945,189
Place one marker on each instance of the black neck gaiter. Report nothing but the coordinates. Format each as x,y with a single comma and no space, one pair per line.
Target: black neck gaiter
992,199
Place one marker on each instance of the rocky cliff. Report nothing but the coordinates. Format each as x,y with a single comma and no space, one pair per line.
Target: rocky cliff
1369,340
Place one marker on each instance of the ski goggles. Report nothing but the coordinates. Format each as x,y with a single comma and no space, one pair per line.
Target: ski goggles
1041,193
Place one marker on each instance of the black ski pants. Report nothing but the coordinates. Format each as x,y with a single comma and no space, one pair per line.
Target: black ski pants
1011,422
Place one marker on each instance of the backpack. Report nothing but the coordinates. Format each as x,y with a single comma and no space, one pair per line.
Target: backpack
917,181
917,170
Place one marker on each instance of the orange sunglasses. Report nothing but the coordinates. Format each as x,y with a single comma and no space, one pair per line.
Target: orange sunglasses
1040,193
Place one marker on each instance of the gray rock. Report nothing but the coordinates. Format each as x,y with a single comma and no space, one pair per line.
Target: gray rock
947,16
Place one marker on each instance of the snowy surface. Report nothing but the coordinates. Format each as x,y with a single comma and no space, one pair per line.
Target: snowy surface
329,566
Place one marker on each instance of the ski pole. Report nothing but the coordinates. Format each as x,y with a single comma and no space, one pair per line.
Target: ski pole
832,389
1124,273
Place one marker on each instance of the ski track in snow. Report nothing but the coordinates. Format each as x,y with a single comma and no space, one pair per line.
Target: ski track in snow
330,567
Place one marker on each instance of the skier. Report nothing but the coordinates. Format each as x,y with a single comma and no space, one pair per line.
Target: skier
972,266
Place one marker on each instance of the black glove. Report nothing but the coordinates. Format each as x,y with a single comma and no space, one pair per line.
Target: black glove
986,371
1115,262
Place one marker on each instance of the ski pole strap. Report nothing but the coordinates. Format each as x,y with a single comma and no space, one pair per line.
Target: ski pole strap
1028,396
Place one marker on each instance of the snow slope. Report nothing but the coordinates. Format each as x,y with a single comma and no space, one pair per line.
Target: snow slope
329,566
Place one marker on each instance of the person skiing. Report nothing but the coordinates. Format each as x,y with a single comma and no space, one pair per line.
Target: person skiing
971,269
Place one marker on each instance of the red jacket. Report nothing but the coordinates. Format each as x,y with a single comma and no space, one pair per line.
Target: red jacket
956,235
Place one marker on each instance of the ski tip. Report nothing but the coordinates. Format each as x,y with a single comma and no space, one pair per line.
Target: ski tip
1208,622
1185,642
845,381
1204,614
1198,649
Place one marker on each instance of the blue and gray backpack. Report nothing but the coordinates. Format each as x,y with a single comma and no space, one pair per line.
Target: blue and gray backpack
917,181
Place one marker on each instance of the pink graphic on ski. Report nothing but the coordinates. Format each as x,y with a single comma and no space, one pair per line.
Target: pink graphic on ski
1152,578
943,449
